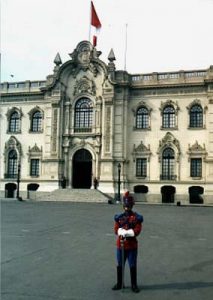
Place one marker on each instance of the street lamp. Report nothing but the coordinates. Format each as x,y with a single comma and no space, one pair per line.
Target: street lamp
119,183
18,182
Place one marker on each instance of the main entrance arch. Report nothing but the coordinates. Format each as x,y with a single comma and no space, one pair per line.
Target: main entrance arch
10,189
82,170
168,194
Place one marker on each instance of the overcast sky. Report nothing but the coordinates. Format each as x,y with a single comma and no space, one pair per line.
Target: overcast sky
162,35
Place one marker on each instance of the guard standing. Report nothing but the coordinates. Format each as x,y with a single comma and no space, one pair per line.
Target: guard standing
127,226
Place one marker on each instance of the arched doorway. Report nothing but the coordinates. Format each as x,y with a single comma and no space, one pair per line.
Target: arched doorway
31,187
168,194
10,189
82,169
141,189
195,193
141,192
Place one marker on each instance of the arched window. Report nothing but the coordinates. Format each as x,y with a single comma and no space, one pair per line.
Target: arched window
196,116
83,115
168,165
12,168
36,122
14,122
168,117
142,118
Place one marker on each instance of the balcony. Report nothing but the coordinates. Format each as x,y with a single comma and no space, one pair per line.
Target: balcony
83,129
168,177
10,176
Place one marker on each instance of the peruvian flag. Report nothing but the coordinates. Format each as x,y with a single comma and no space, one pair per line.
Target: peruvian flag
95,22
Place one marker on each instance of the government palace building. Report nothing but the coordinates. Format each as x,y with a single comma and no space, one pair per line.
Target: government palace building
88,123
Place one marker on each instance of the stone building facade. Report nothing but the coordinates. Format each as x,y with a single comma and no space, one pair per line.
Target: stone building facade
87,119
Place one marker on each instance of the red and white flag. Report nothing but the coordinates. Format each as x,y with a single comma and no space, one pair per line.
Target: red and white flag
95,22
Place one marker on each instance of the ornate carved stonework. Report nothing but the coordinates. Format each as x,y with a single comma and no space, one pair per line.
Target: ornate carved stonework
84,85
13,144
35,149
84,56
197,149
14,109
169,103
169,141
140,104
141,151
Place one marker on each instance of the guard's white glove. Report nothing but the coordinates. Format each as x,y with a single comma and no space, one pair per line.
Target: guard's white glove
129,233
121,232
126,233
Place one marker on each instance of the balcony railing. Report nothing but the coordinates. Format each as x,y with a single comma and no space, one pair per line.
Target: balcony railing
83,129
10,176
168,177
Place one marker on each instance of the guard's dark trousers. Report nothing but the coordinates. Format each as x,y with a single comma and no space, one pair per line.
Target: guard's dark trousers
118,285
133,273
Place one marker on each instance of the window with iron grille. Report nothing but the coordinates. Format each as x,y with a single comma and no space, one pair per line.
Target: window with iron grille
34,167
36,122
196,116
12,169
169,117
168,164
142,118
141,167
83,115
14,122
196,167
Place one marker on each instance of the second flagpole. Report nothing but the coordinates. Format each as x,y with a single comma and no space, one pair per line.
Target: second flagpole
90,18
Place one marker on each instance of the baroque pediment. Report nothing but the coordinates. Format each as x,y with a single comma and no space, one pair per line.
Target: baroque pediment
196,148
35,151
141,150
169,140
13,144
85,57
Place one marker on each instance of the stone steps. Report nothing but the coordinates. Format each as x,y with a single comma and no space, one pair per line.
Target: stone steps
74,195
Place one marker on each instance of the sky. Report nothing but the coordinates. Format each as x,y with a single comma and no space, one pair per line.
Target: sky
156,35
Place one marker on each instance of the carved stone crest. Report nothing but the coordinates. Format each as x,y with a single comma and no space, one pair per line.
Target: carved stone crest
84,57
84,85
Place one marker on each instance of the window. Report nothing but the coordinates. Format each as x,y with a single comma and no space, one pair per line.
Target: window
196,116
168,165
36,122
34,167
141,167
12,169
196,167
14,122
142,118
83,115
169,117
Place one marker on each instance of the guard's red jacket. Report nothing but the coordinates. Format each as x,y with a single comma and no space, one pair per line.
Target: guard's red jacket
128,220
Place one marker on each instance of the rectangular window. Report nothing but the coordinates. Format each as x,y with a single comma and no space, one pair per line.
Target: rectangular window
34,167
196,167
141,167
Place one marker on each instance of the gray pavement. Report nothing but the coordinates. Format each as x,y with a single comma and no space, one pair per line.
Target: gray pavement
66,251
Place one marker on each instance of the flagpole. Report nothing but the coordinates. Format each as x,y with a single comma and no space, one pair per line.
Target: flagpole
90,18
125,51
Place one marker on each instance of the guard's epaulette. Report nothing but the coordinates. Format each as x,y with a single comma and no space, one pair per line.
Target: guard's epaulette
118,216
139,218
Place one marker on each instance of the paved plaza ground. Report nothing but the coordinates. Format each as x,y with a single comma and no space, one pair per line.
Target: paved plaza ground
66,251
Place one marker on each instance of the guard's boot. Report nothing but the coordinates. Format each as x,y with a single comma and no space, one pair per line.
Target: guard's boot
133,273
118,285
